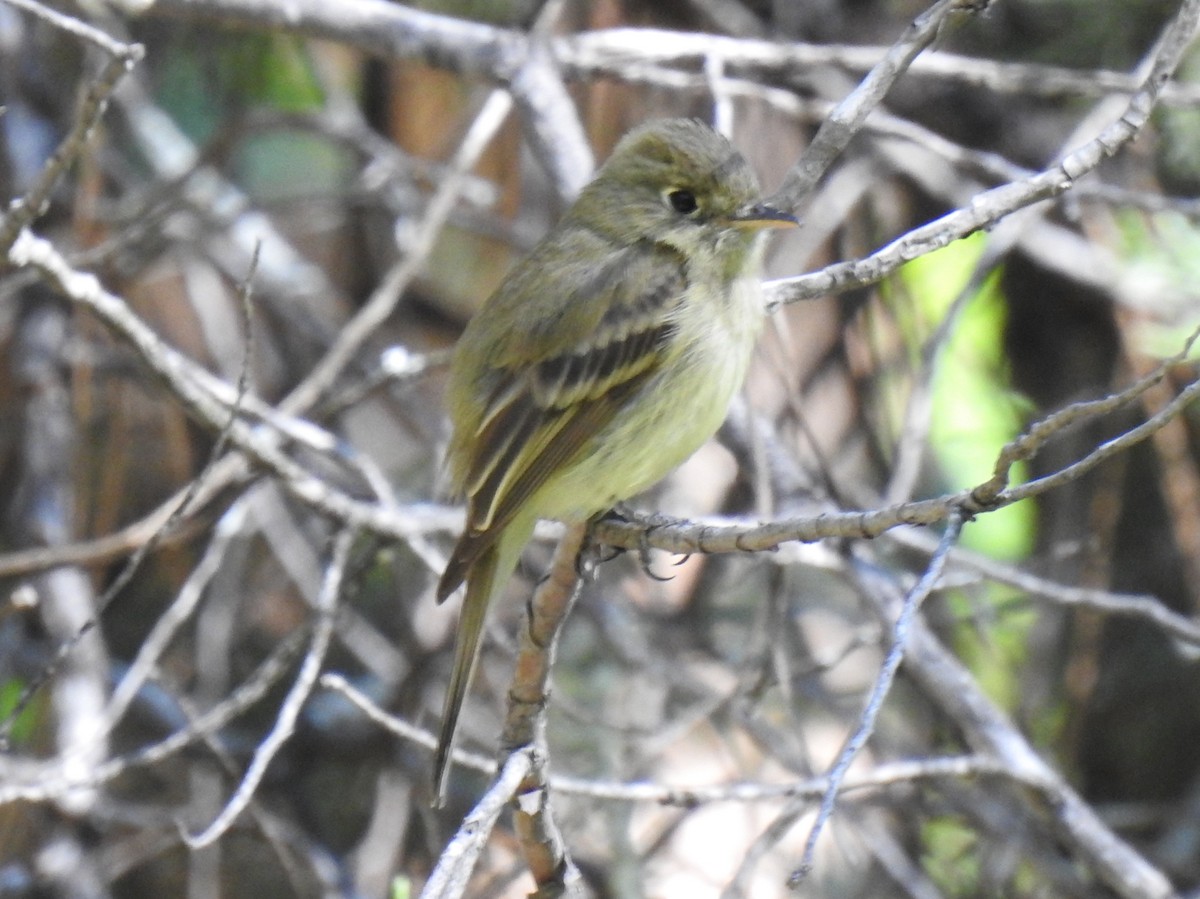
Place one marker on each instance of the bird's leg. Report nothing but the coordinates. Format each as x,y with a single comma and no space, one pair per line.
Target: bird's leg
652,521
600,552
622,514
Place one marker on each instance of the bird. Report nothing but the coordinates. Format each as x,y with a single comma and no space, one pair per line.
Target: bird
605,358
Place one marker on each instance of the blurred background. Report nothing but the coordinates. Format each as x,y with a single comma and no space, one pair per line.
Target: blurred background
739,668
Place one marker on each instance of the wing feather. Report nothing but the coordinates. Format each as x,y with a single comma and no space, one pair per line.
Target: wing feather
540,416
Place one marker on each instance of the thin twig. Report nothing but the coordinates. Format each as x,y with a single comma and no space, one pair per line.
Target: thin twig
687,537
75,27
48,782
122,58
399,32
846,119
134,563
989,731
453,870
993,205
879,691
297,695
383,300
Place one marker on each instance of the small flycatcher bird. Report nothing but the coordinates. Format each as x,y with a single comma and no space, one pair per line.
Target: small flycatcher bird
606,358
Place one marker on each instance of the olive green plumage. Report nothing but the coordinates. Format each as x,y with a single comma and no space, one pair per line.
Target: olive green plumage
607,357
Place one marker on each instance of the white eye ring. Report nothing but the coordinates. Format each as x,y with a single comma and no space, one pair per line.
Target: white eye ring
681,200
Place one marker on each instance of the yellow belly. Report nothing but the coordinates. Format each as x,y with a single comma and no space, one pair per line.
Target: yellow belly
674,413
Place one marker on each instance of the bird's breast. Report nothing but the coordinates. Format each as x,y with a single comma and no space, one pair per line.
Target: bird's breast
676,409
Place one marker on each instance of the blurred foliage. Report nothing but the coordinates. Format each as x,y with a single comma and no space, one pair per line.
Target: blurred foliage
201,84
1163,251
951,856
974,408
992,639
30,721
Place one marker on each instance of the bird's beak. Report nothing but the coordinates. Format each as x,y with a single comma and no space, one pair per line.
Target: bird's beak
759,216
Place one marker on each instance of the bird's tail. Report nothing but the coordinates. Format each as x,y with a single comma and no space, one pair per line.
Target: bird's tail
487,575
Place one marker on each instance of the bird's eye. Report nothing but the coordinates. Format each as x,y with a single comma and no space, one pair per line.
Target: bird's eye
682,201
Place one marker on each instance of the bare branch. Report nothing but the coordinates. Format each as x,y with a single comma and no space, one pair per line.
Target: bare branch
883,683
847,118
989,731
525,724
122,58
298,694
449,879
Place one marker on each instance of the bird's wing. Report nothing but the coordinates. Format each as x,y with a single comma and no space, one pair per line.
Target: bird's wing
539,416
